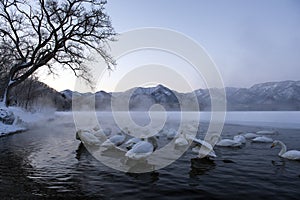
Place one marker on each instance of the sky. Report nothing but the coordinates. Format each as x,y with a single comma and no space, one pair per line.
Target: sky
249,41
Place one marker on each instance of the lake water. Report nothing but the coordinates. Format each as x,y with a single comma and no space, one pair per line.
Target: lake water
47,161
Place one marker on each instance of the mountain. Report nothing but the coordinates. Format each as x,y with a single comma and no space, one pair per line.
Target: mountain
283,95
268,96
155,95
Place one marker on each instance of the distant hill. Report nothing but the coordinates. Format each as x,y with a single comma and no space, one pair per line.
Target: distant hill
270,96
35,95
283,95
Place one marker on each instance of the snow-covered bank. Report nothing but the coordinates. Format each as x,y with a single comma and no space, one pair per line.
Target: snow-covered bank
10,121
15,119
9,129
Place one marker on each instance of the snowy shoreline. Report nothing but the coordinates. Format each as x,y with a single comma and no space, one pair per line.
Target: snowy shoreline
20,119
10,121
6,129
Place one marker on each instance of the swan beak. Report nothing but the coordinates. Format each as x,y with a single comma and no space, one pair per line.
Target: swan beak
273,145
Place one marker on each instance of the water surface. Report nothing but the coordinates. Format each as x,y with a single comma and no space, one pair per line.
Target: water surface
48,161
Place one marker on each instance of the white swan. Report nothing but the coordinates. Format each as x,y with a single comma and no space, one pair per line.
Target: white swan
206,151
240,138
87,138
100,135
107,131
226,142
171,133
262,139
250,135
114,141
181,140
292,154
142,149
131,142
266,132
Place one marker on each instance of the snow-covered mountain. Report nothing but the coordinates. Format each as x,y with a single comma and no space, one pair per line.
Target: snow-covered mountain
160,94
283,95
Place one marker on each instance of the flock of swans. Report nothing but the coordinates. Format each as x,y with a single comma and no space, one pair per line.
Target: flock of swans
141,148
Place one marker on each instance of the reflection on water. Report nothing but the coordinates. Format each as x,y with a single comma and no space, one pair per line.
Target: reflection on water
48,162
201,166
149,177
81,149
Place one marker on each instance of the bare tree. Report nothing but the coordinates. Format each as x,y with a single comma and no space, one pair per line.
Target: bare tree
40,33
4,70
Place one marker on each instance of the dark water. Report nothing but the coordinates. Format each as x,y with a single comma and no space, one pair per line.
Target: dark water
47,162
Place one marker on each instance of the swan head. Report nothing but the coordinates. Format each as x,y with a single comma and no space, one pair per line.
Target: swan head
215,138
79,132
274,143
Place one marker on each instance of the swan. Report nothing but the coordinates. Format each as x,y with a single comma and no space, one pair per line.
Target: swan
226,142
292,154
250,135
171,133
100,135
206,151
262,139
240,138
181,140
142,149
266,132
107,131
114,141
131,142
202,142
87,138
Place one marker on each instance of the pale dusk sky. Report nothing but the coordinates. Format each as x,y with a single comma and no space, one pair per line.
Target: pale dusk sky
249,41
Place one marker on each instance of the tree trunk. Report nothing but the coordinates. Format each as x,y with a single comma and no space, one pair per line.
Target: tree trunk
9,85
28,96
3,85
6,95
14,82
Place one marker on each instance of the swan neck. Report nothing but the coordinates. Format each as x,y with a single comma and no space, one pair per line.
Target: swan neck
217,137
283,148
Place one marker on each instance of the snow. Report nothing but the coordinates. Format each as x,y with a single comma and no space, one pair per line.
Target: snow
28,117
22,119
9,129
